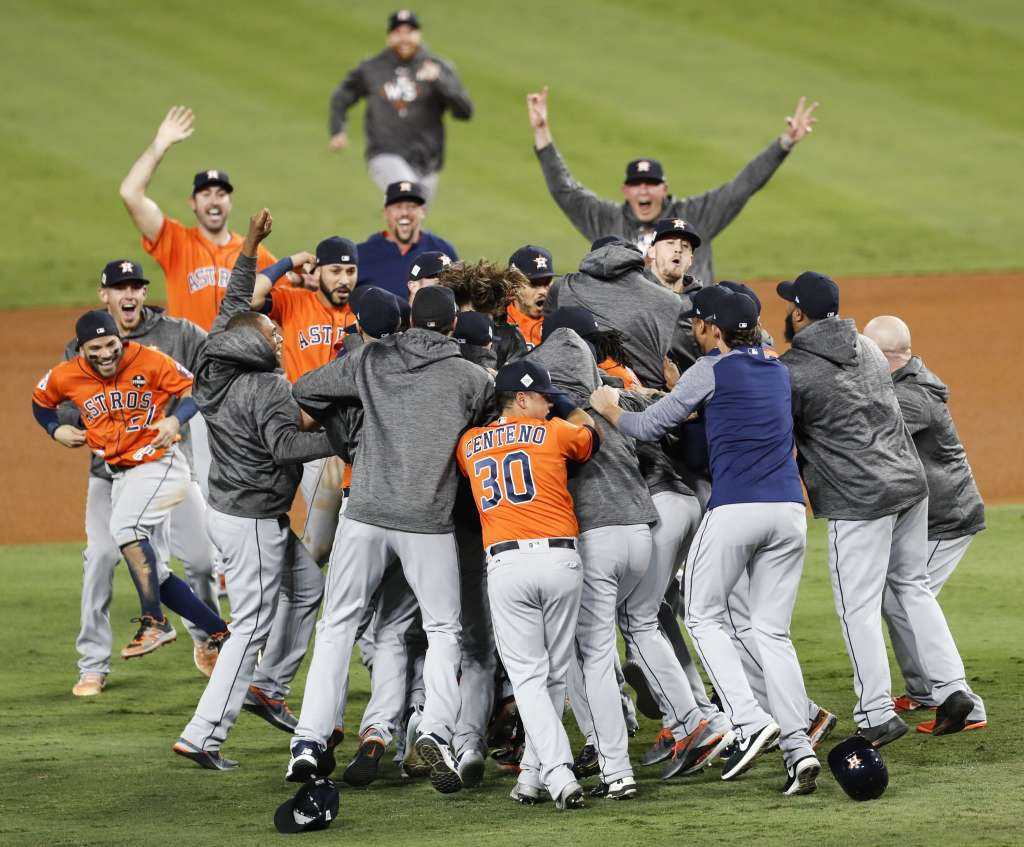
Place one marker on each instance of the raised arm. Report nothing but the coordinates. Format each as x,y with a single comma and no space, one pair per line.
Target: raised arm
268,277
238,297
351,90
144,211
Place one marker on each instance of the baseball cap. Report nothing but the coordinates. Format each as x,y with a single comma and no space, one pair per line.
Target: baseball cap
434,308
404,190
429,265
533,262
604,241
377,311
403,17
740,288
576,318
734,311
337,251
676,228
704,302
644,170
121,270
474,328
96,323
203,179
314,806
816,294
524,375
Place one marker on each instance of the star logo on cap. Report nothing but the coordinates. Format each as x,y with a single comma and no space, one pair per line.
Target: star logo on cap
643,166
444,260
404,15
126,267
679,223
853,760
405,186
526,380
212,175
541,262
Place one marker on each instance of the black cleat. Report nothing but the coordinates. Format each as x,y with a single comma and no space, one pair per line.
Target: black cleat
212,760
745,752
362,770
444,774
274,712
802,777
951,716
586,763
888,732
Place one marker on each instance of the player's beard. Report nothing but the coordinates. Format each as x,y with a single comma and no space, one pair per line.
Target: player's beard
790,332
337,297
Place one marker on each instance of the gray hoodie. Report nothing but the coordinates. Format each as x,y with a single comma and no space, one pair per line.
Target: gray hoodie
955,507
855,454
612,284
256,446
418,396
709,213
609,489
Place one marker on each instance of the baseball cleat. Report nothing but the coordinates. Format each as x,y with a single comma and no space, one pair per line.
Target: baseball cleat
151,635
304,764
526,795
471,768
212,760
802,777
363,769
906,703
888,732
571,798
951,716
660,750
89,684
928,727
206,653
444,775
586,763
645,701
746,752
274,712
821,727
412,765
696,751
620,789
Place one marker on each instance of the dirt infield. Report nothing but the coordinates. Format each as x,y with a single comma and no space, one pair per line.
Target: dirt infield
962,327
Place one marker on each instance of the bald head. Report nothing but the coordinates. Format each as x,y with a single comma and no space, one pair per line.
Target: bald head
892,337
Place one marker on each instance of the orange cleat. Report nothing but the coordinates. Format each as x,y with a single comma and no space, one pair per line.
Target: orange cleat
89,684
929,726
906,703
152,634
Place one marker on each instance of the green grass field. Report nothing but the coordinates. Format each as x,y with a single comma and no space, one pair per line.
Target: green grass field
910,169
100,772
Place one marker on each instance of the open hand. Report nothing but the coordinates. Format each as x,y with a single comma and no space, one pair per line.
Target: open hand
260,225
800,123
177,126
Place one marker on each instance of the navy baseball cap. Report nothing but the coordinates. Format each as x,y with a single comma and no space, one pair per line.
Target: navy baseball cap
576,318
704,302
733,311
314,806
474,328
644,170
533,262
429,265
524,375
122,270
377,312
605,240
817,295
96,323
676,228
404,190
740,288
204,179
434,308
403,17
337,251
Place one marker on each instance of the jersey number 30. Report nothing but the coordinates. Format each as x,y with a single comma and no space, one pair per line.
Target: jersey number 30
514,482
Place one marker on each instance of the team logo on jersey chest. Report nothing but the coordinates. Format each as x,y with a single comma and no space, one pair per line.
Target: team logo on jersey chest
138,380
400,91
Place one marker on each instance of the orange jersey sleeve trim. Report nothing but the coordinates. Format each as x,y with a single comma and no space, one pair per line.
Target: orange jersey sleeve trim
613,368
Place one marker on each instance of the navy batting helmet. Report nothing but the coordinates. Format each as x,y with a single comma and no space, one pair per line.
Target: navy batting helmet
858,768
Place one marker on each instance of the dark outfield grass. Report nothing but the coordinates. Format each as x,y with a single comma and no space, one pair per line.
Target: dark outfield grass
100,772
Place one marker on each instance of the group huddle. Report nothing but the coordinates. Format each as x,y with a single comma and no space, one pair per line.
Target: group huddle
503,467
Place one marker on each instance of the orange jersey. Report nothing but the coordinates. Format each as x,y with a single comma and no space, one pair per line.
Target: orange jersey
310,328
197,270
117,410
530,328
517,471
613,368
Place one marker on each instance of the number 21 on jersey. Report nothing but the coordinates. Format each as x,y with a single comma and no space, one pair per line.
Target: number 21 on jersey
512,481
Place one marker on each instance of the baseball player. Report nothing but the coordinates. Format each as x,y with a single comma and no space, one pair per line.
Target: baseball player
863,474
257,454
645,188
123,289
755,523
526,311
517,468
488,288
426,269
956,512
121,390
407,90
417,395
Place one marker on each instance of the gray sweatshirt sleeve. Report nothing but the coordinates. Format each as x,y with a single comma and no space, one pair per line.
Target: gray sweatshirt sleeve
318,390
349,92
715,209
238,297
696,386
591,215
277,418
193,338
453,92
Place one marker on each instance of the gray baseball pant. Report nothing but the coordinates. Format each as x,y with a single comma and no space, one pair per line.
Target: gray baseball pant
322,492
386,168
766,541
534,600
865,558
943,557
359,559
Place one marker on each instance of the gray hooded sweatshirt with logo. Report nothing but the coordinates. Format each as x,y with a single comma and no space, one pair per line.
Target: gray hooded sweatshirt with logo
955,507
855,453
418,396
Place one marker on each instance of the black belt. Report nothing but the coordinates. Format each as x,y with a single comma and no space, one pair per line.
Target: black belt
505,546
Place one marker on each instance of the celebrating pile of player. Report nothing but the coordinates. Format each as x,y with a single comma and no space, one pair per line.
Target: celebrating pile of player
502,466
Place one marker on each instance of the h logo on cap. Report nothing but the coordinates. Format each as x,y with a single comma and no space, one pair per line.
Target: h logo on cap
404,15
444,260
405,186
212,175
126,267
541,262
679,223
643,166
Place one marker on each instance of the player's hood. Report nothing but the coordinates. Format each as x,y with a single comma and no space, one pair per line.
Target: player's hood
612,261
834,339
227,356
570,363
418,348
915,370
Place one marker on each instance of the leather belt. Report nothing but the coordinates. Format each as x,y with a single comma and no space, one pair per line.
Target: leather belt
531,544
